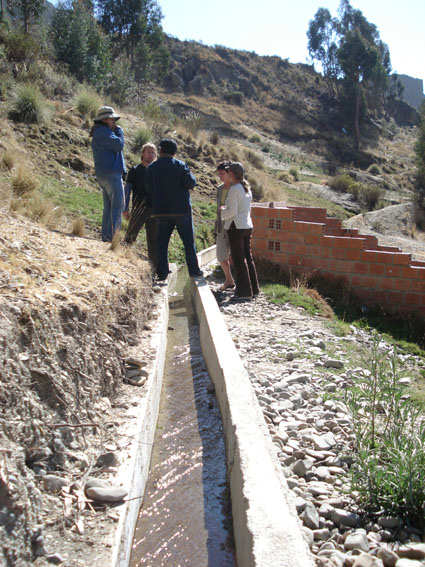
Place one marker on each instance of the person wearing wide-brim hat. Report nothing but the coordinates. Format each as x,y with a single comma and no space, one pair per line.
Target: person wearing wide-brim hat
108,145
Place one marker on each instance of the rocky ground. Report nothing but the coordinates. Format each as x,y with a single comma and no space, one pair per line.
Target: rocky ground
299,368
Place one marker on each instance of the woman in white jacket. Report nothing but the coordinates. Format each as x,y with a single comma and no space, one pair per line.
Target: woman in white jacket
236,214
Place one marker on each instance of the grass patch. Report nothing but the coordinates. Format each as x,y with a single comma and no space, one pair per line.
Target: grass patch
28,106
298,197
78,227
389,464
338,327
76,200
88,102
299,297
24,182
142,137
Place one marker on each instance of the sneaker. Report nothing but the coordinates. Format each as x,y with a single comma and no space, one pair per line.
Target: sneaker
199,274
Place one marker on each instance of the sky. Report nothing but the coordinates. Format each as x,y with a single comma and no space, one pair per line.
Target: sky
278,27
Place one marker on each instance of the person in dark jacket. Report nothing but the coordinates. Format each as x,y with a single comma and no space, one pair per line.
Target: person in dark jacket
141,209
170,181
107,146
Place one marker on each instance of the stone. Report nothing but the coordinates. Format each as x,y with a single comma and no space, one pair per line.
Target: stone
135,362
404,562
332,363
300,504
322,473
53,483
106,494
345,518
55,558
297,379
310,516
389,522
107,460
412,551
96,482
366,560
324,442
356,540
301,467
389,558
319,488
322,534
308,536
131,373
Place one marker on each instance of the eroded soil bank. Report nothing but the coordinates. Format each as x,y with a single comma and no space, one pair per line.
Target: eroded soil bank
70,309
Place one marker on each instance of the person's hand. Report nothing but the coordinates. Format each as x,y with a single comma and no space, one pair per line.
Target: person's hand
126,215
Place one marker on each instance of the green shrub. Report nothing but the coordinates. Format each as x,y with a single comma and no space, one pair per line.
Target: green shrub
234,97
295,173
370,196
28,106
21,47
255,159
193,122
341,183
374,169
255,139
88,102
143,135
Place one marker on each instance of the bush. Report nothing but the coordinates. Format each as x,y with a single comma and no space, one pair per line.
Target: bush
285,177
341,183
370,195
255,139
235,97
255,159
214,138
21,47
193,122
78,227
143,135
24,182
374,169
88,102
28,106
295,173
7,160
256,188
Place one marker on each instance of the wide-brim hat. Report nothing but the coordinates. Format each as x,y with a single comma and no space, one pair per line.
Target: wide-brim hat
106,112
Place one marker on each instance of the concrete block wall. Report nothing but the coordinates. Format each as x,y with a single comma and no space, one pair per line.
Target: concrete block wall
306,240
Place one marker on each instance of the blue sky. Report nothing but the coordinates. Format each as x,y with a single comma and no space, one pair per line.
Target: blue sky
278,27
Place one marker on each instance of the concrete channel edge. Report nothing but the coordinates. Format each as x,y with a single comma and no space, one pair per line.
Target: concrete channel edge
266,528
136,471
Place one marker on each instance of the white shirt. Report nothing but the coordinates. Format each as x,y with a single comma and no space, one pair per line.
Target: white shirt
237,208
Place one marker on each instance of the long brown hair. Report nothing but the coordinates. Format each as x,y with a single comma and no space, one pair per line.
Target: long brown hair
238,171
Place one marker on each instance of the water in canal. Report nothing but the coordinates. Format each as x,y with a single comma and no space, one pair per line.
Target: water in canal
185,518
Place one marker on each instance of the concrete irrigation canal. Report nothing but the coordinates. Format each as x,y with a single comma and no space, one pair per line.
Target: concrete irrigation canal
207,489
185,516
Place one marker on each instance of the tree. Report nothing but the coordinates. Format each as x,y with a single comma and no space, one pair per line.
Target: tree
419,197
29,11
352,57
80,43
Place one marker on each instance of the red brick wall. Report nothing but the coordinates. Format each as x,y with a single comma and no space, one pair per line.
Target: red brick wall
307,241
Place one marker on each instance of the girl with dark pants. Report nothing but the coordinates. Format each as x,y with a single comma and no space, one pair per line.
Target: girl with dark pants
236,214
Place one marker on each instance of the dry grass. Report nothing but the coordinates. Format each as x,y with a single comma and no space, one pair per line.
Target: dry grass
7,160
24,182
255,159
78,227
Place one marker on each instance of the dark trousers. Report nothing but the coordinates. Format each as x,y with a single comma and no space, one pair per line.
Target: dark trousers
184,226
243,263
141,215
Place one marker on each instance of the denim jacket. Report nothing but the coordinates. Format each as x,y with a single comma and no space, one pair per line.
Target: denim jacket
107,148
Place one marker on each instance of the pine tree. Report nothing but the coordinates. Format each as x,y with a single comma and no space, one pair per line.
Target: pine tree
28,11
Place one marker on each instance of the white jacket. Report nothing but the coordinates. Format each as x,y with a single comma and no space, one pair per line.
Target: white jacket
237,208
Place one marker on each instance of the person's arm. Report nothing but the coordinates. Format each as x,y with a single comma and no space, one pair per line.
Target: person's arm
112,140
188,180
230,209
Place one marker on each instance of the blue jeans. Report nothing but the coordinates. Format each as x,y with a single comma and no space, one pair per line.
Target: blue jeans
113,204
165,228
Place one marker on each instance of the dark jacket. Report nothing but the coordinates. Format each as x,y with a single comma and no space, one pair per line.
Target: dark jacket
136,186
169,180
107,146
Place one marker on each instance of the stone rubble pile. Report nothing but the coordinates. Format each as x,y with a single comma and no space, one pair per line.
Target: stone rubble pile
294,377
